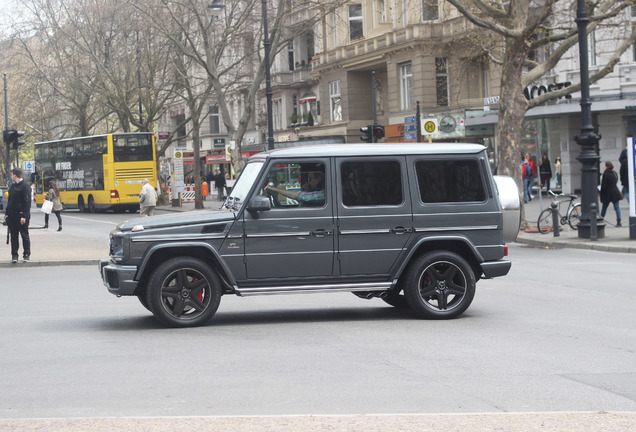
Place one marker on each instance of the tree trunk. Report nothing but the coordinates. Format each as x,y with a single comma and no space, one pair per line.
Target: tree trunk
512,109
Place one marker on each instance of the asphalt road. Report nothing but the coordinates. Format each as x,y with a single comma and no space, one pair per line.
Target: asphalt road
557,335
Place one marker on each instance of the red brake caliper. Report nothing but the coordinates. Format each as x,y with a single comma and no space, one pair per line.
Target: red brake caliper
200,294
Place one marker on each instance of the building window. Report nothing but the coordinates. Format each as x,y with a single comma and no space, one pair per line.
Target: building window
406,86
277,114
355,22
335,101
380,9
441,80
335,29
404,14
591,47
290,55
430,10
215,120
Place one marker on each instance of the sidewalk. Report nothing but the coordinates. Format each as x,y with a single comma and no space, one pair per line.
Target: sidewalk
51,248
616,238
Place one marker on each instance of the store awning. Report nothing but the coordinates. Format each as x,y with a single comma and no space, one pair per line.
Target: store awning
308,98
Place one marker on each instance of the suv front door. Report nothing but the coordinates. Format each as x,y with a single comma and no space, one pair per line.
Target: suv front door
294,239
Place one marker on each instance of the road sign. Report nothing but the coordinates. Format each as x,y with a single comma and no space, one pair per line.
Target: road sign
163,135
27,166
410,119
219,142
410,127
429,126
411,136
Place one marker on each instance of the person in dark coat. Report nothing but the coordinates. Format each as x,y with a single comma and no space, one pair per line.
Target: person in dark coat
545,171
624,173
18,214
219,184
610,192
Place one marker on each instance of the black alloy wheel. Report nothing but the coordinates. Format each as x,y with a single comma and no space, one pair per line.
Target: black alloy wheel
183,292
440,285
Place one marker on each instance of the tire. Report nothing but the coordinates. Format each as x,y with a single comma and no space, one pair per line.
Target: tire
80,204
396,298
91,204
440,285
574,216
544,223
183,292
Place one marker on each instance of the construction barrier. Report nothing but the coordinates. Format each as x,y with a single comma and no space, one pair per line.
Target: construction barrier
188,192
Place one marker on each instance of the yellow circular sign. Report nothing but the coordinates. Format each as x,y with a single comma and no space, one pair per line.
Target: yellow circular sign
429,126
177,155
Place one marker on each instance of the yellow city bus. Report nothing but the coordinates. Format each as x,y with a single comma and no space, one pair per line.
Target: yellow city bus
102,172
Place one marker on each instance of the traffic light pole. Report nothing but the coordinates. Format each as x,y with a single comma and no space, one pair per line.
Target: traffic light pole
6,128
375,110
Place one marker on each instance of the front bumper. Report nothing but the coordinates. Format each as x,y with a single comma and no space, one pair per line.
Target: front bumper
497,268
118,279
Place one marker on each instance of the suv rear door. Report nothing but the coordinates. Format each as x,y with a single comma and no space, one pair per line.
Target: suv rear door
374,214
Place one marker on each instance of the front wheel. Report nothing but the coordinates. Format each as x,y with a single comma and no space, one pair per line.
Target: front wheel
440,285
544,223
183,292
574,216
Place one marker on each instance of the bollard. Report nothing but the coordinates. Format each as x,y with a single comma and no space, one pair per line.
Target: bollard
555,219
593,227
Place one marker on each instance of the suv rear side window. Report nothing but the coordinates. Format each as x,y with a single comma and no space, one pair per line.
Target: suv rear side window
449,181
371,183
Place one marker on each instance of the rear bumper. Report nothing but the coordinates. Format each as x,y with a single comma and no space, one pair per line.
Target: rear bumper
119,280
493,269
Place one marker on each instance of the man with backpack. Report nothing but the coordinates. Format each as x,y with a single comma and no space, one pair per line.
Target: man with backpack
528,178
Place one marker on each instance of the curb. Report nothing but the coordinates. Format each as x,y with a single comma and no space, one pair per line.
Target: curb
571,245
49,263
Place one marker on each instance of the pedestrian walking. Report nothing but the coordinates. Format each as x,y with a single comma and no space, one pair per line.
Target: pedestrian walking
624,173
219,184
17,215
610,192
528,178
147,199
54,196
545,171
558,170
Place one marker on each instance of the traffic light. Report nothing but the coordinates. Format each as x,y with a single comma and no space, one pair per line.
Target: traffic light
368,133
12,138
378,132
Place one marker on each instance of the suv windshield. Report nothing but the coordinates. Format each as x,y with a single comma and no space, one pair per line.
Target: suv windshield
244,182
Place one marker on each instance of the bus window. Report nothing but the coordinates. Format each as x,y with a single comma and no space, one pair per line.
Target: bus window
132,148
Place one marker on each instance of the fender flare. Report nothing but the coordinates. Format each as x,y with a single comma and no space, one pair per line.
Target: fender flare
452,238
189,244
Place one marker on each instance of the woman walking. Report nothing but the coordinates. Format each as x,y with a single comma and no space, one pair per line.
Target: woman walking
54,195
610,192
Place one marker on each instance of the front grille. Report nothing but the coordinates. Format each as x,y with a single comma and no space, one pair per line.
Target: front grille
133,173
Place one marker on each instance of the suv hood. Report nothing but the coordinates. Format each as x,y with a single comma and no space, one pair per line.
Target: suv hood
178,219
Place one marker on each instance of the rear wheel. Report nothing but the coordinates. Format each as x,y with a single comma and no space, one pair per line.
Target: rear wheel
91,204
544,223
80,204
183,292
440,285
574,216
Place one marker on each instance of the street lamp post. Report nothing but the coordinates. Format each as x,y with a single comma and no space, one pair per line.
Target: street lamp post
587,139
268,83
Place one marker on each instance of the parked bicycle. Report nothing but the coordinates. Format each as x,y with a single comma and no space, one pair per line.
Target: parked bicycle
572,215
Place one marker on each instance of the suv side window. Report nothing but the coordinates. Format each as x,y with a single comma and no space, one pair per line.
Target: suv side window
442,181
371,183
294,184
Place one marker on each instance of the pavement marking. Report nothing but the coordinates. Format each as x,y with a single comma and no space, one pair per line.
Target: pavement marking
90,220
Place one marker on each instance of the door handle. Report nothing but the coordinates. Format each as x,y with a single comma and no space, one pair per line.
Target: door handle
400,230
320,233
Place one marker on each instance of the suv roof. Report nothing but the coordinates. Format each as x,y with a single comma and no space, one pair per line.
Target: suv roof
364,149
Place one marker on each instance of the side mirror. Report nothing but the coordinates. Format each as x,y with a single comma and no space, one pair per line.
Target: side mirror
257,204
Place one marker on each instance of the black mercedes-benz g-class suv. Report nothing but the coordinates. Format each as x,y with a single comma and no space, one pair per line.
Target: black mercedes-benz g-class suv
413,224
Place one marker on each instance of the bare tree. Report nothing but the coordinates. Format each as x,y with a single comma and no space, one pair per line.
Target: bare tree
527,27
